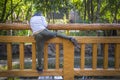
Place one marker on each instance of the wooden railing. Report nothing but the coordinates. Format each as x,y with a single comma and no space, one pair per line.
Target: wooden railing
32,72
68,71
105,70
64,26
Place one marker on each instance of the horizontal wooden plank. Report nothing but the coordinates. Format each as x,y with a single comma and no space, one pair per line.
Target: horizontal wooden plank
30,73
97,72
79,26
98,39
52,72
75,26
26,39
16,39
90,39
14,27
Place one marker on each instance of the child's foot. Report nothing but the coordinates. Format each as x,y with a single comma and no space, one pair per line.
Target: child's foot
74,41
39,69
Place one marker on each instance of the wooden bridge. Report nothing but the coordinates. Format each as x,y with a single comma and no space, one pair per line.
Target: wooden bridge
68,71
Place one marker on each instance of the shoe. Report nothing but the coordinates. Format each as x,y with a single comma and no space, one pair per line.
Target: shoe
75,43
39,69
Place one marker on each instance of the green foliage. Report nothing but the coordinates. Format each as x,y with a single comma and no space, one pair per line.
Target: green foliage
90,11
22,33
22,10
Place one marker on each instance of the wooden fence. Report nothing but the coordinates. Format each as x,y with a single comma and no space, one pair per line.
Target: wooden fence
68,71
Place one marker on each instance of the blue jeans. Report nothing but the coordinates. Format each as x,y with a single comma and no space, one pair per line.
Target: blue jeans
41,38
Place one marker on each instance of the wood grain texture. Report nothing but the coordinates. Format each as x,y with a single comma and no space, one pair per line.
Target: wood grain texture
68,62
75,26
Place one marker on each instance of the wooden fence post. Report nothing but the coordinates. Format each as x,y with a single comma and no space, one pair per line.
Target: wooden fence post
68,65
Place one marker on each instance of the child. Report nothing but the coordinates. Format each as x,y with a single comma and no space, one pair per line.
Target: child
41,34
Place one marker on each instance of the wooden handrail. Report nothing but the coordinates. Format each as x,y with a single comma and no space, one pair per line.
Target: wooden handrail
68,71
63,26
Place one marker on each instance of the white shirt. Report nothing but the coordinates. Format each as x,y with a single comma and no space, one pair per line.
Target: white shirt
38,23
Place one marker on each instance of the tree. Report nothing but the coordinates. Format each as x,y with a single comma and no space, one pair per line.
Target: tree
89,10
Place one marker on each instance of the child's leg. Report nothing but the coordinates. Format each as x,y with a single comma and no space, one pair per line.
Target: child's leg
40,52
48,35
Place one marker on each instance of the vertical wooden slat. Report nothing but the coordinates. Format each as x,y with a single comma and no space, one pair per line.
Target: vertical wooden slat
33,56
68,62
117,56
21,56
57,56
105,63
82,61
46,57
94,59
9,56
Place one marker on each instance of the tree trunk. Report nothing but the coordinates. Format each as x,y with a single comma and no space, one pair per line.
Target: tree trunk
92,11
98,11
17,17
53,17
11,11
88,9
115,14
85,10
3,11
